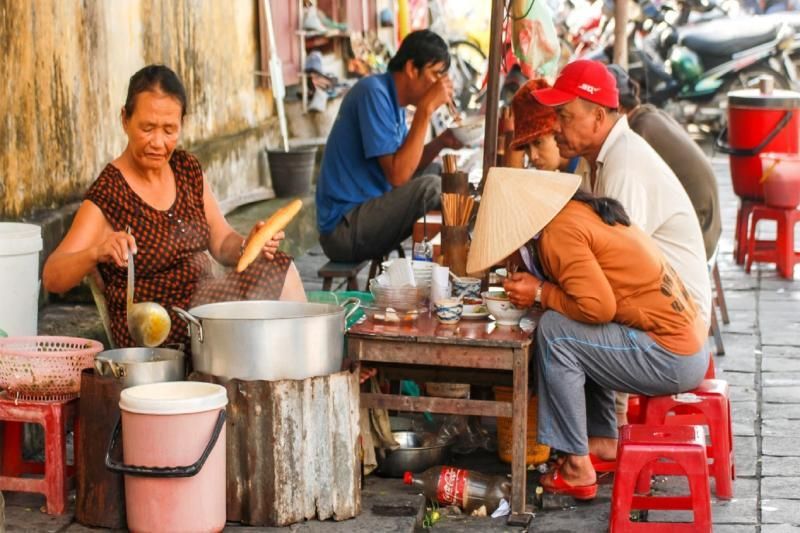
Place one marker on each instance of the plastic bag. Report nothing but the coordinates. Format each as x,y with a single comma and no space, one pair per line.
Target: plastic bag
534,37
466,434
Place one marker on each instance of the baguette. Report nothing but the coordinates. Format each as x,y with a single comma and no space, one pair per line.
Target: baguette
277,222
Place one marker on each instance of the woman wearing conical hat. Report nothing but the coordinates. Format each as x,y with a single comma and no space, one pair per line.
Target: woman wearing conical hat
616,316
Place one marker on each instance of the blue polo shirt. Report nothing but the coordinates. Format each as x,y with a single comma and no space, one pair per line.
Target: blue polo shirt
370,124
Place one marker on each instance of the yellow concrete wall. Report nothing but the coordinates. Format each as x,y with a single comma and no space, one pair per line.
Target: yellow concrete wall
64,75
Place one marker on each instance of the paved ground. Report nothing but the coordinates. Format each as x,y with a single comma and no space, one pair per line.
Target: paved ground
762,365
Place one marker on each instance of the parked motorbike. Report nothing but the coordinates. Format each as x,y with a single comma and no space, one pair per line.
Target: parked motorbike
689,70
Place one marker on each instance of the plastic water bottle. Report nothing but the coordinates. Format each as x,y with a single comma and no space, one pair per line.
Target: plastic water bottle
464,488
422,251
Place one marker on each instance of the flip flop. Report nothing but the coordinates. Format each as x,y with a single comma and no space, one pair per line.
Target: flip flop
601,465
560,486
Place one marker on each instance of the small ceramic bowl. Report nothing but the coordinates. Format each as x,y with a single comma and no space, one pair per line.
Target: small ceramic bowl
467,287
448,311
504,312
473,306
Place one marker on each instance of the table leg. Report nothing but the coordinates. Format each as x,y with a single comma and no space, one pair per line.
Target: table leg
519,432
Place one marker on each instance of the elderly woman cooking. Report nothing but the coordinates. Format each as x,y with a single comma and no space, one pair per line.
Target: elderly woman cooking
617,317
153,201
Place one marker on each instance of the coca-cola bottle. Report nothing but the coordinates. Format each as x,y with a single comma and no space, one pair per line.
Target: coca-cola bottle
464,488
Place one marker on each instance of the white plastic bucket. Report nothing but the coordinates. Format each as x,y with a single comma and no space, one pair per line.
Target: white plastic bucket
169,425
20,245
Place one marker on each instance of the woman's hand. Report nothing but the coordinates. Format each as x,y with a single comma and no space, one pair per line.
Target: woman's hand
272,245
521,289
115,248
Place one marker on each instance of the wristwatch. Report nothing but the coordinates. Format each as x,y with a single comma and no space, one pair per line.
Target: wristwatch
537,299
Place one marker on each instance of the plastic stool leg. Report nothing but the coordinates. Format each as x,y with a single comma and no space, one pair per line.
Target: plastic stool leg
55,453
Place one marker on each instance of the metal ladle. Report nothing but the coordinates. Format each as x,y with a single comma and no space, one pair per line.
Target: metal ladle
148,322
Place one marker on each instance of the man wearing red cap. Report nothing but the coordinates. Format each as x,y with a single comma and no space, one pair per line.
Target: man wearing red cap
623,166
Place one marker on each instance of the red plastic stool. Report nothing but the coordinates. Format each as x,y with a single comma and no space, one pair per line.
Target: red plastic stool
707,405
637,405
641,449
742,225
53,417
780,251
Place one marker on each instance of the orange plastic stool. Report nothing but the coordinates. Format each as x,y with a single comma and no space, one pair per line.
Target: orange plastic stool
707,405
53,417
641,450
780,251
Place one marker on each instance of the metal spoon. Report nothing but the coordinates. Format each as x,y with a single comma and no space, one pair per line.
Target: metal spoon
148,322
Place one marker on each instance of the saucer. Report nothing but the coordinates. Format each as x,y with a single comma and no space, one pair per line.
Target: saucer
475,316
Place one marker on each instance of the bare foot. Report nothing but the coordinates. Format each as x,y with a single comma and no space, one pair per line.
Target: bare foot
603,447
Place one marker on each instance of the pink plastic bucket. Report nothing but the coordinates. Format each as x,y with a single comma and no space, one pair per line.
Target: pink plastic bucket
168,430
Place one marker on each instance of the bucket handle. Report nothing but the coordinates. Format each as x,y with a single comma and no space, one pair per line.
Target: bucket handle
725,148
190,320
162,471
354,302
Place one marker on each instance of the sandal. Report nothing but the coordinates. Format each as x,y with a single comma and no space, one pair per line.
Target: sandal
601,465
560,486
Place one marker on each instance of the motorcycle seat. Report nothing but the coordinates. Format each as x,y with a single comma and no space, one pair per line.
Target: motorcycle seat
723,38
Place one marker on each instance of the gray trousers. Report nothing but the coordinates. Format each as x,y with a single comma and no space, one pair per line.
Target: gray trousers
579,366
379,225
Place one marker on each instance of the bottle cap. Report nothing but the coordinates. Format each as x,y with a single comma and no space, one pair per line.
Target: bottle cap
407,477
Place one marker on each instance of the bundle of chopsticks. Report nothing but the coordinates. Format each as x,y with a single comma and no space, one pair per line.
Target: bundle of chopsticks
456,209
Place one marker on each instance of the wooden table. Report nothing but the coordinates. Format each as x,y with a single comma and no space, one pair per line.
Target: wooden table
476,352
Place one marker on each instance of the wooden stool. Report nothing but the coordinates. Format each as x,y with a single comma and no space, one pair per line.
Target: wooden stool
709,405
332,269
742,225
53,416
641,451
781,250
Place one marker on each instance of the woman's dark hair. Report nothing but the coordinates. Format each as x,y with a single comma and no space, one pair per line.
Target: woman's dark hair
608,209
155,78
422,47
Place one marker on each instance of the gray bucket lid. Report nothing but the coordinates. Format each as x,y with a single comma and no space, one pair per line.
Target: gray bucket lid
777,99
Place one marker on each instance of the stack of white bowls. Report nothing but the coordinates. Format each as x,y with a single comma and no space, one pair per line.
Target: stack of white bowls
423,270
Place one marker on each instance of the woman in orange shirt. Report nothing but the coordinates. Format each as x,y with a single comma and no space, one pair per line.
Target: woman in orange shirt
617,317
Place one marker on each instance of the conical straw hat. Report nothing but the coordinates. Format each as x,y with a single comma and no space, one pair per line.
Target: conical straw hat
516,205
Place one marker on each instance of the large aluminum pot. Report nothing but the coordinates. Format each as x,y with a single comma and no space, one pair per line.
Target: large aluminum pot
140,366
267,340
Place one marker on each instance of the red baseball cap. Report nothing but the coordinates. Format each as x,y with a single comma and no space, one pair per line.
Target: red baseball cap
585,79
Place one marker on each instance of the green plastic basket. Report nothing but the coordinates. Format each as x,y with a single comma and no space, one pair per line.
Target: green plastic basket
338,298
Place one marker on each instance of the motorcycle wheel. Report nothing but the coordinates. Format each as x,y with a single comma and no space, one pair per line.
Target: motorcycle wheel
468,67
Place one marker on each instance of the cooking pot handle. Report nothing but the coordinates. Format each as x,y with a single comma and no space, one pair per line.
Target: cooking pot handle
725,148
355,302
191,320
116,370
162,471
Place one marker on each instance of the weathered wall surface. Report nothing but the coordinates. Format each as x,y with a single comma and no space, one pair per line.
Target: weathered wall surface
63,77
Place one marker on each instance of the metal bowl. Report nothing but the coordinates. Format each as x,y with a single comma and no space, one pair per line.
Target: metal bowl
413,455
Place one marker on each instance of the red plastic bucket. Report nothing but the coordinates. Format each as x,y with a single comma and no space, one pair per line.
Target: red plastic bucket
758,123
781,180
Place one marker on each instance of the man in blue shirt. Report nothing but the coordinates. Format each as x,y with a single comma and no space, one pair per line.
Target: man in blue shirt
368,197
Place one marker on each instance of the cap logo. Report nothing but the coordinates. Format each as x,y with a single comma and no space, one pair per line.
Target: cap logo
588,88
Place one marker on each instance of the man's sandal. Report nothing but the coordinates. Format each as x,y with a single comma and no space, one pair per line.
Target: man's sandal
560,486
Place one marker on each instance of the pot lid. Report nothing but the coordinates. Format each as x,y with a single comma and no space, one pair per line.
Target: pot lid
777,99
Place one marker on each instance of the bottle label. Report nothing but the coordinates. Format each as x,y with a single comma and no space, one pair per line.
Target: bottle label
452,483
